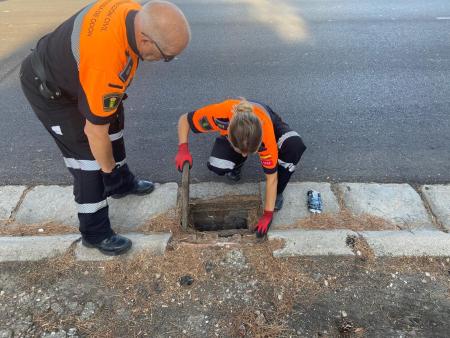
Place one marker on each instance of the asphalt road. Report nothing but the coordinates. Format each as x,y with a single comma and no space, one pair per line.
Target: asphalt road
366,84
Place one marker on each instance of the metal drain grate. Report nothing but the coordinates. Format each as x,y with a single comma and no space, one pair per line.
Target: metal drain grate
225,213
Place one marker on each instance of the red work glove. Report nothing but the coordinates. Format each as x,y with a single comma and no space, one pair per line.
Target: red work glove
183,155
264,223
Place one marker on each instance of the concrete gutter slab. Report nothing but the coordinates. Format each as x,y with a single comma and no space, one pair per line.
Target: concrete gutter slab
9,197
438,197
406,243
312,242
56,204
154,244
48,204
34,248
295,202
209,190
397,203
132,211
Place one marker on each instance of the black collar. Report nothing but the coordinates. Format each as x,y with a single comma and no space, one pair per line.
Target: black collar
130,32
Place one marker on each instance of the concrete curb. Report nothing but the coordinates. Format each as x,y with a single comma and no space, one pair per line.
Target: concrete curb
394,202
408,244
9,199
154,244
34,248
399,203
438,198
43,204
295,207
312,242
402,243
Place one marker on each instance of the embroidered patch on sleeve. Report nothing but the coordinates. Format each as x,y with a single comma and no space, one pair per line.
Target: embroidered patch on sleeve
222,123
262,148
111,101
126,71
204,123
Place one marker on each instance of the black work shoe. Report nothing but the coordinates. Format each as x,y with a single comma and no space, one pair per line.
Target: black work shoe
279,202
141,187
235,174
111,246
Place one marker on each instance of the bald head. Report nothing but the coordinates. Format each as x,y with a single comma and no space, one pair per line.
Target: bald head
161,30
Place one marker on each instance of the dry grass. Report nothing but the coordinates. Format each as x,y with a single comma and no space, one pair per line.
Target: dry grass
433,265
137,281
54,268
278,272
343,220
249,324
159,272
167,222
99,326
41,229
361,248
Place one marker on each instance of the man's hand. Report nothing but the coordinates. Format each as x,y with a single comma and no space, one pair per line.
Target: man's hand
264,223
100,145
183,155
120,180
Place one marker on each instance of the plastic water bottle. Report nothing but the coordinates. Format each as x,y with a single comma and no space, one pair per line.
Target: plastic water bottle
314,202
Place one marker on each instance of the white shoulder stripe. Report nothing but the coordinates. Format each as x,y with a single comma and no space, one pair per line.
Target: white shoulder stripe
75,38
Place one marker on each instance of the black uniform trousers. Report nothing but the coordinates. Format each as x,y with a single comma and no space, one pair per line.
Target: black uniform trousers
224,158
65,123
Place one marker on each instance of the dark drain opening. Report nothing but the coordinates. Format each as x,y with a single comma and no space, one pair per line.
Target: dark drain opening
225,213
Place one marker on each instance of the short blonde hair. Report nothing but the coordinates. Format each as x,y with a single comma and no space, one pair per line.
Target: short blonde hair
245,130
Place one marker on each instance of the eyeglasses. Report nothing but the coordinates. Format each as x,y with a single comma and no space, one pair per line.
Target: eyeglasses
167,58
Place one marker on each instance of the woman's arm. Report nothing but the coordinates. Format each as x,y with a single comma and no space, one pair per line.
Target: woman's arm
183,129
271,191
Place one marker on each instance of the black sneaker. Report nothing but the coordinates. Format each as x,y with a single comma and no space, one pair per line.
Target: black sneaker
279,202
235,174
112,246
141,187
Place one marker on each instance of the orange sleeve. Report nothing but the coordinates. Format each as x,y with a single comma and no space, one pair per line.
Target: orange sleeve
100,97
214,117
106,63
268,155
268,152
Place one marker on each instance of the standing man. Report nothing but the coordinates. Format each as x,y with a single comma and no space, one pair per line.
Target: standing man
75,81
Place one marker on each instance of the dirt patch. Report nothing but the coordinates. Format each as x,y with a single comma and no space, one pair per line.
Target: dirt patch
360,248
251,323
53,268
282,273
343,220
164,272
234,289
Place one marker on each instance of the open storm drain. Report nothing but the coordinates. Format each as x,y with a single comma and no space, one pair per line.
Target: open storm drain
224,213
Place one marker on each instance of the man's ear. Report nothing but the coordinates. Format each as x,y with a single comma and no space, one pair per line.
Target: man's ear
144,38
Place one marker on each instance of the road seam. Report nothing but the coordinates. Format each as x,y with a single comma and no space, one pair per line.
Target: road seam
12,217
427,205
